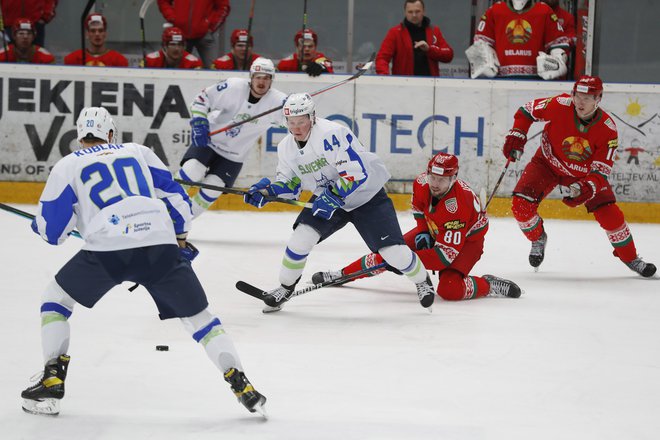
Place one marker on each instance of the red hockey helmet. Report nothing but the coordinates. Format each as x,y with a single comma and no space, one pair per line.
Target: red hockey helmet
241,36
307,35
591,85
24,24
173,34
443,164
95,18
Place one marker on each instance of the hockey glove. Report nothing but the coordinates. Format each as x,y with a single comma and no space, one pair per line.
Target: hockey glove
514,144
189,252
200,132
315,69
423,240
581,191
326,204
255,196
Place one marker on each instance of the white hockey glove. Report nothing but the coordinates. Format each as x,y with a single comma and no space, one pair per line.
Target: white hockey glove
551,66
483,60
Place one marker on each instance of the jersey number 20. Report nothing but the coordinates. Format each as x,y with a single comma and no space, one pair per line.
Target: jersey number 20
114,183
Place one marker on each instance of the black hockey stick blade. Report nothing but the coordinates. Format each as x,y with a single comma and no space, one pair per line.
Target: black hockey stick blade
250,290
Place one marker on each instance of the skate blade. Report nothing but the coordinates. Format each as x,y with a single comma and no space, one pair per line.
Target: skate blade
429,309
46,407
536,269
269,309
261,409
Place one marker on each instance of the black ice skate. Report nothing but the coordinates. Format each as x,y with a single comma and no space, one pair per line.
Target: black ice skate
44,397
537,253
276,298
245,392
501,287
327,277
647,270
426,293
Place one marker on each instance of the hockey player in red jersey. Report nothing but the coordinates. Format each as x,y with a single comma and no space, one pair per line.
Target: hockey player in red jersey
97,54
312,61
519,38
577,150
173,54
23,50
448,238
241,47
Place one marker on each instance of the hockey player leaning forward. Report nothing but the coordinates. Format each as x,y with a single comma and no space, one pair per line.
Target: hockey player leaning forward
577,150
218,159
449,236
347,181
132,216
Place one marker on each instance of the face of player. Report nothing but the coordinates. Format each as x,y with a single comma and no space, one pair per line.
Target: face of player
96,34
23,40
308,50
260,84
299,126
174,50
240,50
415,13
585,104
439,185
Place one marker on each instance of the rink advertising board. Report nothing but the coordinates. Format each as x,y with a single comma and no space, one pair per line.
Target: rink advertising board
404,120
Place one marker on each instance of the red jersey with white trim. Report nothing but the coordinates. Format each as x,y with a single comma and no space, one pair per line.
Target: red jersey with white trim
108,58
452,221
518,37
570,146
229,62
188,61
39,56
290,63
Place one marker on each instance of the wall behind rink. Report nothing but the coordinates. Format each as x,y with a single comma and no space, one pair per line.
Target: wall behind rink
405,120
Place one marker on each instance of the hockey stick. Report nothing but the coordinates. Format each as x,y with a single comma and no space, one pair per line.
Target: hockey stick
88,8
302,43
143,12
2,31
497,185
259,293
242,192
356,75
29,216
249,29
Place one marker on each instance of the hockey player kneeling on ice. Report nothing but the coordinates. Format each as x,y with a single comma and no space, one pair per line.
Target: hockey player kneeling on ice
578,145
347,181
448,238
134,219
217,160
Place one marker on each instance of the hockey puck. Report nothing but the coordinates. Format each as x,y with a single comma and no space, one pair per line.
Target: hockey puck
162,348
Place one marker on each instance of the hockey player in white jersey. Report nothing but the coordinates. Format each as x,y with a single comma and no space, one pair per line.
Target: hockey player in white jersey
134,219
218,159
347,181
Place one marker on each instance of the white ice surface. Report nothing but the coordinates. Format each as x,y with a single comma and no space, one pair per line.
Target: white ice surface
577,357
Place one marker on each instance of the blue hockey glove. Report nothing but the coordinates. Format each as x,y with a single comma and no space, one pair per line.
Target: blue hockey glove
200,132
254,196
189,252
423,240
326,204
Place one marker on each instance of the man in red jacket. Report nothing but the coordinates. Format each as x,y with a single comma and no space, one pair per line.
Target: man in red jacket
241,48
312,61
199,20
172,54
97,54
38,12
23,49
414,46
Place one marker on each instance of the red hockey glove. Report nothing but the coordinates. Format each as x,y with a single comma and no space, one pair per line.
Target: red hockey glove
581,191
514,144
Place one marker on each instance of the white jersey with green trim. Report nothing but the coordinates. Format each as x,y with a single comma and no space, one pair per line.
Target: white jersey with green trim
227,102
333,155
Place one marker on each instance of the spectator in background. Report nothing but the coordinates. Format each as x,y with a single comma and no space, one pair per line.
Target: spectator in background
97,54
414,47
39,12
311,61
241,48
519,39
23,49
173,53
199,20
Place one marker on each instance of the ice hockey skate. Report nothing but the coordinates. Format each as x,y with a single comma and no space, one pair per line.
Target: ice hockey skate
501,287
44,397
647,270
426,293
537,253
276,298
245,392
327,277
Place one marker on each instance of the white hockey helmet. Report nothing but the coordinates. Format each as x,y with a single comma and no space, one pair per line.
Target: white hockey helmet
96,122
262,65
298,104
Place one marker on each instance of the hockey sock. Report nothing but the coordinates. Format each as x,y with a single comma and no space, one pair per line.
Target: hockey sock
402,258
369,260
56,308
205,197
611,219
207,330
526,214
298,248
453,286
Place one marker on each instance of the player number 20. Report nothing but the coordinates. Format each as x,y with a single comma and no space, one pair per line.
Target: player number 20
123,178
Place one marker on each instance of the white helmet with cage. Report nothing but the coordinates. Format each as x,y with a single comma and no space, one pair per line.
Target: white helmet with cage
96,122
262,65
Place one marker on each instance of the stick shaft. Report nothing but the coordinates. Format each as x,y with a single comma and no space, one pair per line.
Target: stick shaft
249,30
497,185
28,216
344,279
